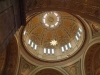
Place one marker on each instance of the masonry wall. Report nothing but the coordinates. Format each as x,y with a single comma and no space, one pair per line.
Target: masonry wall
10,20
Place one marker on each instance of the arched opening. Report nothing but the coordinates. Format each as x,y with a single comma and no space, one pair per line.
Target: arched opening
92,60
48,71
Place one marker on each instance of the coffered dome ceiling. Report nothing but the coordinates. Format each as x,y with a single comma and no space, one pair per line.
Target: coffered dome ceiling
53,36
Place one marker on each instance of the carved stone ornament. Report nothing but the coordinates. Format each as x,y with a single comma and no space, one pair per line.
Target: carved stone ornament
25,67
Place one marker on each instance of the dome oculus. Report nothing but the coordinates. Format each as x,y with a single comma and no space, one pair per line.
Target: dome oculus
51,19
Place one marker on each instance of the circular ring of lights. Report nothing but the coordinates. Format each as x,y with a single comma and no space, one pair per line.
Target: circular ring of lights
51,19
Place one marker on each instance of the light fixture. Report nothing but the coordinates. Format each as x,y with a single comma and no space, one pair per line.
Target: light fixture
53,42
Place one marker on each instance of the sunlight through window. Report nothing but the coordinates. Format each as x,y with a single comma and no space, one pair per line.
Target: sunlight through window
44,50
62,48
35,47
29,41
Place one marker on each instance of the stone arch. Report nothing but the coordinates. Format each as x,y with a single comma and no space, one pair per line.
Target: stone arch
48,71
92,60
55,70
